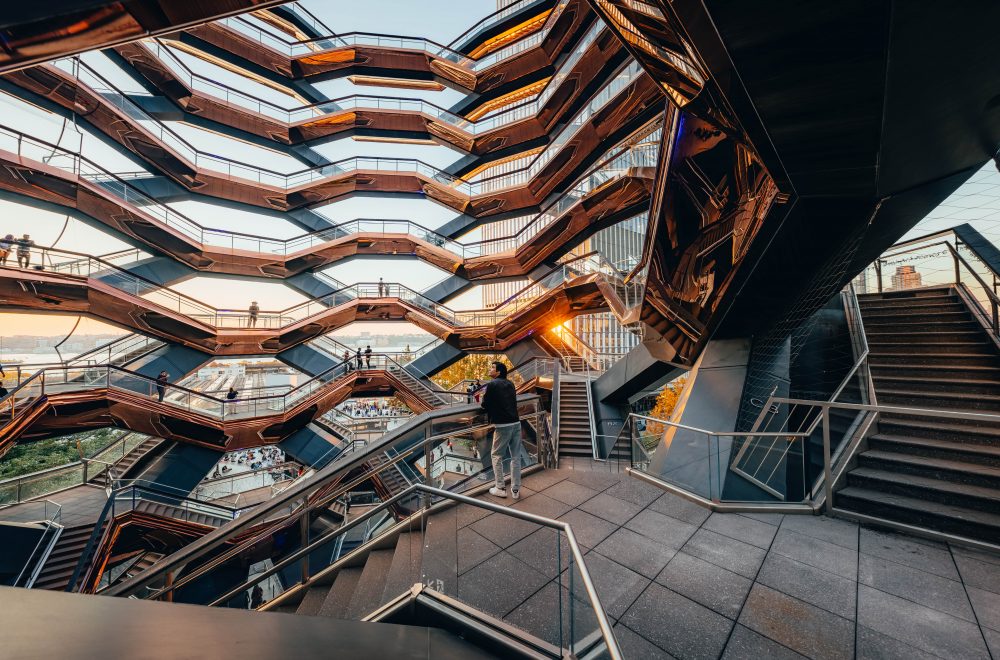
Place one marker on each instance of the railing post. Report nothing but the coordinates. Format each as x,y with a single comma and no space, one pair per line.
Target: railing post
827,468
428,463
86,469
304,531
878,274
958,272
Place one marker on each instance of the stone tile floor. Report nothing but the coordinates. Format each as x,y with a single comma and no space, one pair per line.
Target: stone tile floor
681,582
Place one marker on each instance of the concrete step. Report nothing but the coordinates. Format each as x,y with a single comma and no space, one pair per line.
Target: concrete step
926,306
970,523
955,402
967,496
936,338
985,359
944,372
955,430
890,345
941,384
924,294
937,448
368,592
338,598
962,472
312,601
404,571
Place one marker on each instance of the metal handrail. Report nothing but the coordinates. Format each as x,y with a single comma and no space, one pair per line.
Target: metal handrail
606,630
328,474
51,524
288,316
190,227
304,510
293,179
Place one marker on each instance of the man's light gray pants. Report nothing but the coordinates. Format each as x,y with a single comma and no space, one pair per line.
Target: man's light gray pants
507,437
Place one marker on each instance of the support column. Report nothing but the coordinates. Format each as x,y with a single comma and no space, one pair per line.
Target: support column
712,400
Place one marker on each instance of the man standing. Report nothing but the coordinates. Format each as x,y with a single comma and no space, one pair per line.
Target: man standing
368,356
381,288
24,246
357,356
500,404
254,312
161,384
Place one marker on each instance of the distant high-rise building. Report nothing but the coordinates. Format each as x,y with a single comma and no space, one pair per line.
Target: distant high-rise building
906,277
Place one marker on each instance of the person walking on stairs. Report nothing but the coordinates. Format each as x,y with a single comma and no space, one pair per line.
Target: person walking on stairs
500,403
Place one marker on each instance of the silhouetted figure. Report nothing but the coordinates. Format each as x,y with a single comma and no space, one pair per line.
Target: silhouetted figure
256,597
232,394
347,359
357,356
368,356
254,313
381,288
24,245
161,384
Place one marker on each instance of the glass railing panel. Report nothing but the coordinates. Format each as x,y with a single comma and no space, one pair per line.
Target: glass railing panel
581,632
682,457
40,485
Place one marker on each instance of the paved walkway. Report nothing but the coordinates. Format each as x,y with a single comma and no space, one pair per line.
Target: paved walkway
680,581
81,505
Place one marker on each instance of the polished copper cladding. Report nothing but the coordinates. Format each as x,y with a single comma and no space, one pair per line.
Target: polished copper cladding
640,100
34,35
314,122
407,60
97,407
225,332
621,197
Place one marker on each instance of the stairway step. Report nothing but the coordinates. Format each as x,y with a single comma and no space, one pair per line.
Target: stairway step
935,337
942,384
975,474
405,569
931,306
368,592
923,293
890,345
968,496
312,601
439,561
918,322
338,599
936,448
956,430
961,521
954,402
953,370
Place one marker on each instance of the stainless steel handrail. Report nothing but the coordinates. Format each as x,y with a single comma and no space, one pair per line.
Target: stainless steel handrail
51,525
606,630
294,494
